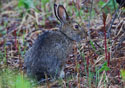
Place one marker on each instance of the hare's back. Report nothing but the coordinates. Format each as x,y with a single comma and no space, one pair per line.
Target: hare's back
51,44
51,40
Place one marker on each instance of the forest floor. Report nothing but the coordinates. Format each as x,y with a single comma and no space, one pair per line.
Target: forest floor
97,62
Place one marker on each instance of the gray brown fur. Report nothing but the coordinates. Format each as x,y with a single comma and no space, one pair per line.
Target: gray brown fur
50,50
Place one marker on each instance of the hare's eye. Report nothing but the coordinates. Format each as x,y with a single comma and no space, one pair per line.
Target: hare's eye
76,26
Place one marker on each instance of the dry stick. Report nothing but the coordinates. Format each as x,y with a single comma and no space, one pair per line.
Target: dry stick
118,31
120,42
50,85
64,84
47,85
111,22
101,80
98,46
12,3
8,12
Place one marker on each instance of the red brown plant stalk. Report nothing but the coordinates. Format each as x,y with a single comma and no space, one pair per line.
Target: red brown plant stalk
107,55
15,40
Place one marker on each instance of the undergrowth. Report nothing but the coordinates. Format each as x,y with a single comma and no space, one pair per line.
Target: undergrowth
95,71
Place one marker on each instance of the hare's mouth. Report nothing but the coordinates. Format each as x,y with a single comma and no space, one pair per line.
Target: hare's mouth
78,39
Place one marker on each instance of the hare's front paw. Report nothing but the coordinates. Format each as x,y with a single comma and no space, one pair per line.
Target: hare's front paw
62,74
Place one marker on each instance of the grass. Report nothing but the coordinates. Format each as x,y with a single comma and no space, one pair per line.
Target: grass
94,69
12,79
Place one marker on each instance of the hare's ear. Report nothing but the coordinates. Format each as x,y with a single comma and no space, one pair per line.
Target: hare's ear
55,11
62,14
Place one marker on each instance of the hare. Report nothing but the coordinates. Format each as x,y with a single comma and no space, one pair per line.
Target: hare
48,54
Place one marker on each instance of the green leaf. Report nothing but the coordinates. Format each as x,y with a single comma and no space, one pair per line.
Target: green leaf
101,3
92,44
104,67
109,6
122,71
26,4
